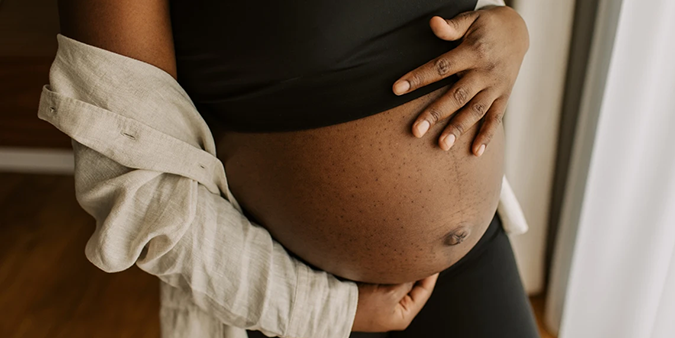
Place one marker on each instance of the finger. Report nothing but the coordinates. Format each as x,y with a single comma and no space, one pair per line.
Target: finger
466,118
450,63
493,120
455,28
414,301
455,98
400,290
423,288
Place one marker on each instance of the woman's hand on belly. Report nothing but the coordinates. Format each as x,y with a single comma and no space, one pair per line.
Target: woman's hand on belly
384,308
487,61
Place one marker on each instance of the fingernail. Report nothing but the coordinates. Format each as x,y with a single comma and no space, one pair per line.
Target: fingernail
401,87
422,128
449,141
481,149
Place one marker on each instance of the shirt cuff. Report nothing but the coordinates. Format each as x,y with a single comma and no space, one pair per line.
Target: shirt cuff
319,308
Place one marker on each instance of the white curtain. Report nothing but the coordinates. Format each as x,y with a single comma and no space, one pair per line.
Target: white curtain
620,280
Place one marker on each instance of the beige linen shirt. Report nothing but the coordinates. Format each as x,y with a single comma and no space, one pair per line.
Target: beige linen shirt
146,170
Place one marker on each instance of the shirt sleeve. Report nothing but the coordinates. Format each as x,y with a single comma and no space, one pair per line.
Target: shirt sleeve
173,226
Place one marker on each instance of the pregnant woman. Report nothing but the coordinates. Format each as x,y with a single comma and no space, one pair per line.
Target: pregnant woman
357,161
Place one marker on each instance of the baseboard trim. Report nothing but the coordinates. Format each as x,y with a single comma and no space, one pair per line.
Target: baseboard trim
37,160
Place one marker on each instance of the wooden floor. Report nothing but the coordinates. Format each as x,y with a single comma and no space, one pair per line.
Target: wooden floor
48,288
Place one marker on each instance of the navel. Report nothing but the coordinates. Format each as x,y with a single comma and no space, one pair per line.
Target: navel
457,235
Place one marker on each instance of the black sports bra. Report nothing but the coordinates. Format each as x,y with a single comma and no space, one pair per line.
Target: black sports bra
299,64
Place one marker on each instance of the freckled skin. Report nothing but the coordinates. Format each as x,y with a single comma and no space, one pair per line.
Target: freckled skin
366,200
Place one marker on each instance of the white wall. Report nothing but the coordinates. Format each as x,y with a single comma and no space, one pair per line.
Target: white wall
531,124
33,160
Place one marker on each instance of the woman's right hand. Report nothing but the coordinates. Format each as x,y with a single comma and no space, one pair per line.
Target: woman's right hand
383,308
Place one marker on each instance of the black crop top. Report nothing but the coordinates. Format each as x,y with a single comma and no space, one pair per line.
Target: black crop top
299,64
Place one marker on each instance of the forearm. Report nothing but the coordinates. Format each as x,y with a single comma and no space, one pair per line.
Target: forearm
195,240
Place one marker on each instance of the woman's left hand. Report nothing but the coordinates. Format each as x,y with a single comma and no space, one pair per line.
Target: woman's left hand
487,62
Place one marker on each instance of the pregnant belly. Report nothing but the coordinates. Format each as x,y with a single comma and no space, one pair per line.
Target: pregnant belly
366,200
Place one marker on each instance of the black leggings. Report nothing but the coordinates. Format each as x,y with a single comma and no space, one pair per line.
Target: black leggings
481,296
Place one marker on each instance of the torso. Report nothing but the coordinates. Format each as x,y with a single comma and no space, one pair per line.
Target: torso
318,149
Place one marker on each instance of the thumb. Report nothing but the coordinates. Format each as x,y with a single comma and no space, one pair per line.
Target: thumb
455,28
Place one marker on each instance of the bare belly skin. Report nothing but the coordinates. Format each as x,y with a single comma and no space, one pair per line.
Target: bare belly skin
366,200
